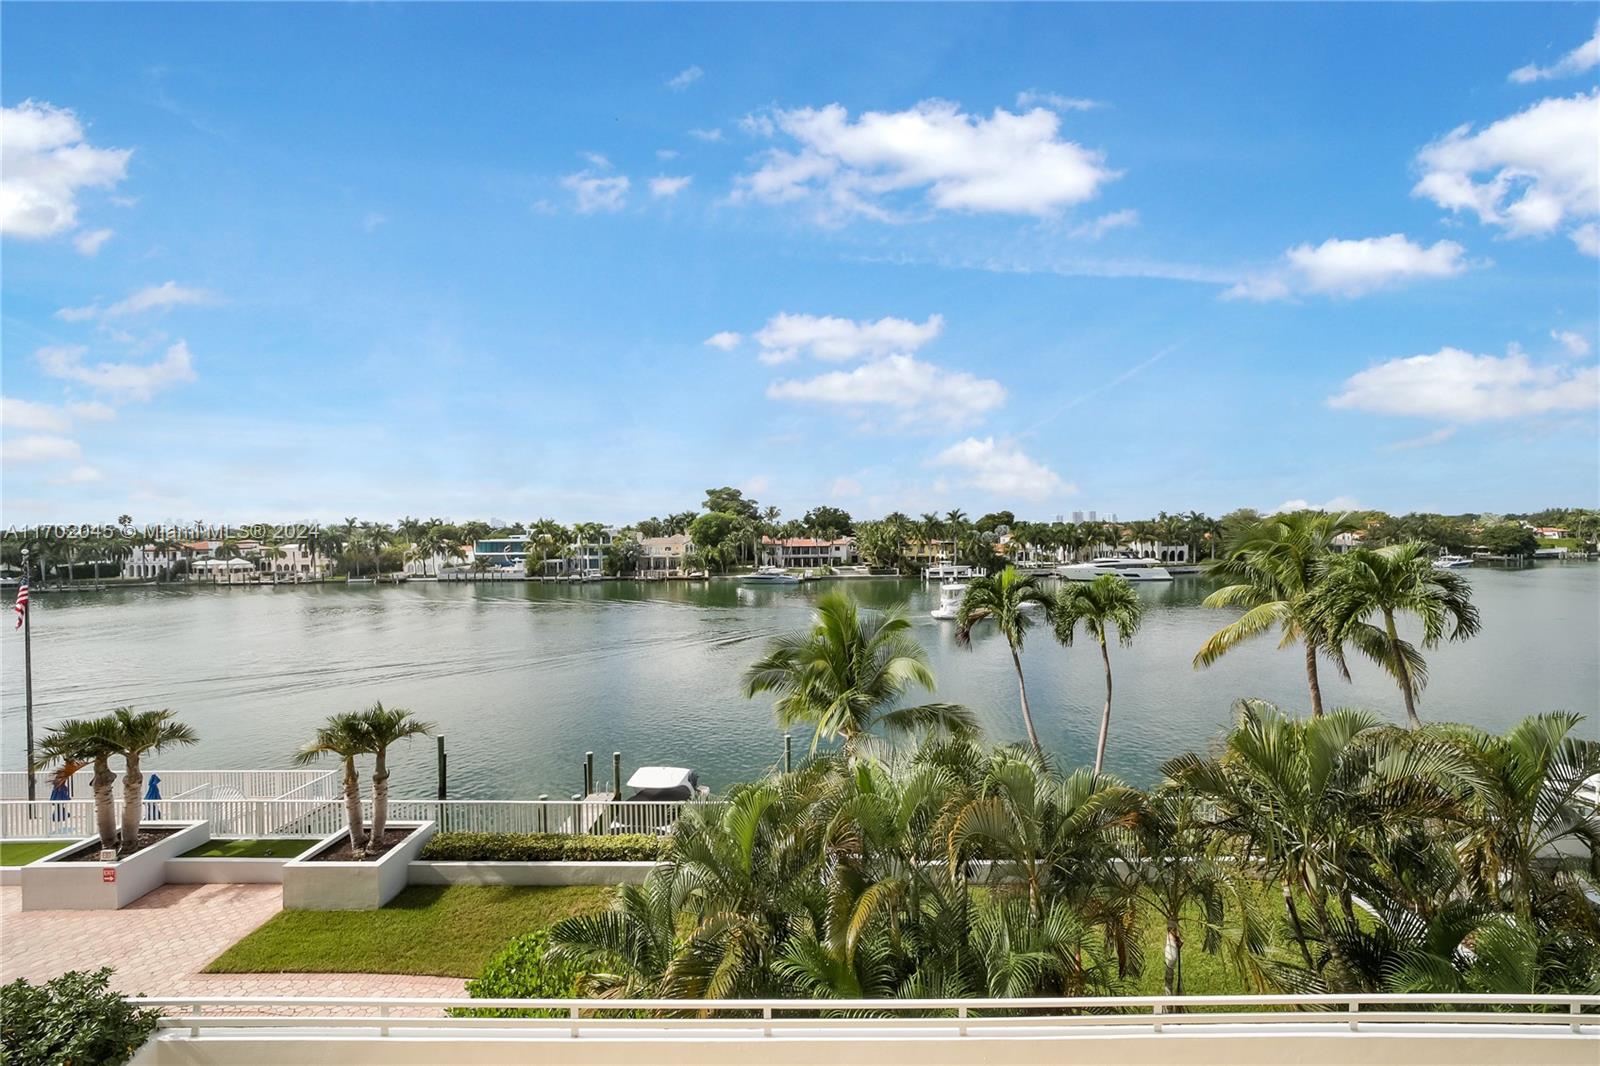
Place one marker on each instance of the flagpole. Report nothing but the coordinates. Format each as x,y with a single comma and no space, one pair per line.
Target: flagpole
27,672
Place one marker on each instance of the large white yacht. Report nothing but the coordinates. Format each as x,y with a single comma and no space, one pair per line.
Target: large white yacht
770,575
1128,569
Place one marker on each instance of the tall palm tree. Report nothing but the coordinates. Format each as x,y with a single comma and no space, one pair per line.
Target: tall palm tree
1272,569
134,734
1003,599
1097,606
385,726
87,740
844,675
344,736
1388,582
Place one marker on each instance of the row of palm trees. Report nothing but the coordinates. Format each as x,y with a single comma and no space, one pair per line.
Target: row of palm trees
350,735
1318,854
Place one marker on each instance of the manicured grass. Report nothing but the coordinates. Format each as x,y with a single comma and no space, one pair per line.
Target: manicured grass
262,848
22,852
1203,974
448,931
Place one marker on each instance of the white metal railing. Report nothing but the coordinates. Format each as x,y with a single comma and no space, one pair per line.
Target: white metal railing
252,784
779,1018
319,817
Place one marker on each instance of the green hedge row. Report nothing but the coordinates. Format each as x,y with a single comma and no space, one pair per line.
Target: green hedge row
539,847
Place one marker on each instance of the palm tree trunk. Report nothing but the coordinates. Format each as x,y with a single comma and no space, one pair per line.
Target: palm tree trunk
1173,984
105,815
1105,715
1311,679
352,807
1401,669
1022,690
1295,928
131,810
380,795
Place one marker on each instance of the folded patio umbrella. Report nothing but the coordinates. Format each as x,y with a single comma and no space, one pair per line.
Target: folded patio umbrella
153,793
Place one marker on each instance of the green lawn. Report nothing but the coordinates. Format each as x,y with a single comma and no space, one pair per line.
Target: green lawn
1203,974
448,931
263,848
22,852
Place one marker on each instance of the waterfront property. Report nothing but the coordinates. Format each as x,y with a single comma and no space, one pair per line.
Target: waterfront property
664,557
808,553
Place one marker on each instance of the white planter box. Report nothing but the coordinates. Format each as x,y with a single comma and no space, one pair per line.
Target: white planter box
352,886
530,873
217,871
12,875
91,885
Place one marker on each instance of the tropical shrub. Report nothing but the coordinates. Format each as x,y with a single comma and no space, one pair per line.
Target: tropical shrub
540,847
72,1020
522,970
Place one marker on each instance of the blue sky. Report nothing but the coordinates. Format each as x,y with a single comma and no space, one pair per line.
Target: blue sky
274,262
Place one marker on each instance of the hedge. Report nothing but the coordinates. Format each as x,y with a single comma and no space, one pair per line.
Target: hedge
539,847
72,1020
522,970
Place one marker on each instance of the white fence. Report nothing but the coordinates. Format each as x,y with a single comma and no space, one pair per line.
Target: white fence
320,816
249,784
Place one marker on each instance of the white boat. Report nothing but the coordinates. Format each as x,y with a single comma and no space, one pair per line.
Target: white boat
950,597
666,783
1451,562
770,575
1127,569
950,572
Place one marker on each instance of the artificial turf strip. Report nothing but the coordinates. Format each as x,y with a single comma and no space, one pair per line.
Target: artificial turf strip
22,852
440,930
262,848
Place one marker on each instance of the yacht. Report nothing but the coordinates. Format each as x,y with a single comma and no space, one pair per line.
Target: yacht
770,575
950,597
950,571
1451,562
1127,569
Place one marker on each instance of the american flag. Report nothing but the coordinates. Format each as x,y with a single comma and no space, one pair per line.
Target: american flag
22,602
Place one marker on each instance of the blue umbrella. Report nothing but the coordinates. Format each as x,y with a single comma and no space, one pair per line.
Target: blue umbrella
153,793
59,792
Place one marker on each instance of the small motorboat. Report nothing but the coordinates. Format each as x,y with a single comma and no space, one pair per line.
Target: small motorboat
770,575
1451,562
950,597
666,784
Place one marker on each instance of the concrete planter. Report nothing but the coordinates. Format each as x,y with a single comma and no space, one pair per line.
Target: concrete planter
12,875
50,884
530,873
242,871
352,886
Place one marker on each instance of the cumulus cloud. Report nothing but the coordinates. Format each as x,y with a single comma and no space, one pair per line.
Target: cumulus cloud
597,192
712,134
838,339
1587,238
726,341
1539,169
1001,468
664,187
1034,98
1584,57
1576,344
41,448
1006,163
50,418
1352,268
1338,503
1427,440
685,78
126,381
910,391
1094,229
44,163
1456,386
89,243
83,475
151,298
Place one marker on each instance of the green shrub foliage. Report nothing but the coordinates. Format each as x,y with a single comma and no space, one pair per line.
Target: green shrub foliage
523,971
540,847
73,1020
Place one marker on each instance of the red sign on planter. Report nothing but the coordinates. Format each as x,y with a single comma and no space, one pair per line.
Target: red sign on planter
108,875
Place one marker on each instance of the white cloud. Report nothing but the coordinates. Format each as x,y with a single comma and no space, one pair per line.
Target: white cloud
89,243
1427,440
1097,228
83,475
129,381
597,160
665,154
596,192
1584,57
151,298
915,393
1034,98
92,412
372,220
844,488
1456,386
836,339
1587,238
664,186
685,78
49,418
1001,468
755,485
41,448
726,341
1540,166
1576,344
1007,163
1338,503
712,134
44,162
1352,267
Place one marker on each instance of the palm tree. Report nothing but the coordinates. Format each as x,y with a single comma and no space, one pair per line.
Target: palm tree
135,733
1106,601
87,740
385,726
1399,579
845,674
345,736
1002,599
1273,569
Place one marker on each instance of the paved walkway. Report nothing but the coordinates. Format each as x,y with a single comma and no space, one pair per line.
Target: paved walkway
159,944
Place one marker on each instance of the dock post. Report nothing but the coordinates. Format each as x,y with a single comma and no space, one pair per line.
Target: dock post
616,775
788,753
439,741
544,812
588,773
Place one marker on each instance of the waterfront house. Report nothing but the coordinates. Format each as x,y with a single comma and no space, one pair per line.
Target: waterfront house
661,557
1551,532
806,553
586,557
509,552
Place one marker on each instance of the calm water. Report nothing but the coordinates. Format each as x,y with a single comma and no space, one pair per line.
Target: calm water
523,679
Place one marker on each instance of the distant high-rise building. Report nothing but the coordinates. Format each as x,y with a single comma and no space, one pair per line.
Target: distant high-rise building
1077,516
1093,517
